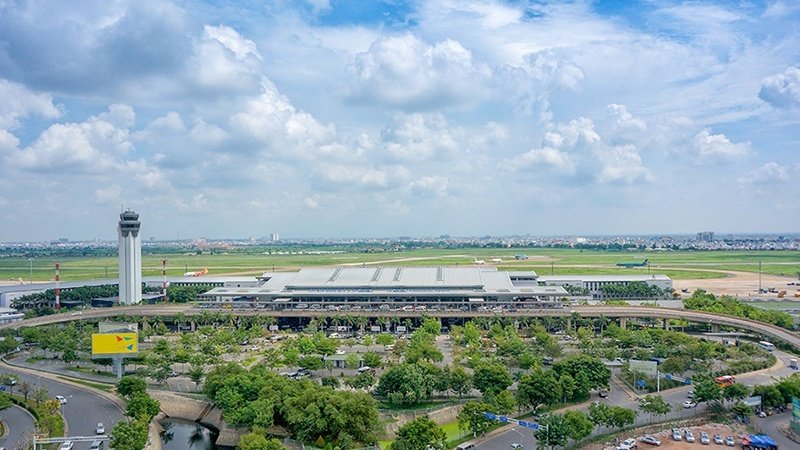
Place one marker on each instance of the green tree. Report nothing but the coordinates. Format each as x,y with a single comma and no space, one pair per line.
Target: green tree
373,359
592,367
404,384
770,395
460,381
129,435
471,417
655,405
40,395
255,441
420,434
196,374
741,410
552,432
502,402
10,380
539,388
5,400
131,385
25,388
142,407
363,380
578,425
310,362
423,347
706,390
736,391
432,326
491,378
351,361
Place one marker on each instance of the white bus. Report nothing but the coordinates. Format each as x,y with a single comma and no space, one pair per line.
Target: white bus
768,346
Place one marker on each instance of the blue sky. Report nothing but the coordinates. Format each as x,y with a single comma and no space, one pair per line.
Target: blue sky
349,118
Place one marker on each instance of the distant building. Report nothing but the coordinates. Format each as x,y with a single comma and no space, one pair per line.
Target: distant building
130,259
274,237
705,236
593,284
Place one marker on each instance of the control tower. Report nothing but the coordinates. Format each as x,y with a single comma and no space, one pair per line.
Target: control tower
130,259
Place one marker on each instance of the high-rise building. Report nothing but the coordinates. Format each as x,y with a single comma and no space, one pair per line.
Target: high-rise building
705,236
274,237
130,259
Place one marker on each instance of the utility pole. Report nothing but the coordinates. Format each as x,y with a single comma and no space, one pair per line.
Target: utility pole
759,276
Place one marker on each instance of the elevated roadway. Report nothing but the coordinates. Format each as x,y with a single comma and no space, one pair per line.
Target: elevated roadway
611,312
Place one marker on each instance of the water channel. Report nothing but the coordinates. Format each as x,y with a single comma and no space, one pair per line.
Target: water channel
186,435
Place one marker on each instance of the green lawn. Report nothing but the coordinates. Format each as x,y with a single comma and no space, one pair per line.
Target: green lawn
680,264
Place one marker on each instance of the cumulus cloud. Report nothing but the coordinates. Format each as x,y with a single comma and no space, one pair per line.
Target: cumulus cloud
225,61
782,90
18,102
405,72
548,157
710,148
418,137
431,186
770,172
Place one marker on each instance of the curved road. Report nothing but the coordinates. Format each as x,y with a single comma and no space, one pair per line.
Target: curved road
83,410
19,427
189,310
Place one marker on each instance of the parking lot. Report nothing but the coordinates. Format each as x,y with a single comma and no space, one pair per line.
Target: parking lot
667,442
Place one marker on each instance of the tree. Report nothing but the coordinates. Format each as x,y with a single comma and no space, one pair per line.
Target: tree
25,388
539,388
420,434
5,400
598,375
655,405
373,359
471,417
131,385
736,391
552,431
706,390
432,326
255,441
423,347
351,361
770,395
311,362
460,381
491,378
404,384
364,380
578,425
69,355
620,417
196,374
502,402
129,435
142,407
741,411
40,395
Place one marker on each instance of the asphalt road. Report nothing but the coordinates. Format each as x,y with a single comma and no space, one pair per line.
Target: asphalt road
19,423
83,410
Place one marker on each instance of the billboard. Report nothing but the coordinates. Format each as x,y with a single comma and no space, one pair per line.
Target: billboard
648,368
109,344
118,327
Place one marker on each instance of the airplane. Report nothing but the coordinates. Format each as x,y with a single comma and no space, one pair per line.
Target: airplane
479,262
199,273
629,264
520,257
497,260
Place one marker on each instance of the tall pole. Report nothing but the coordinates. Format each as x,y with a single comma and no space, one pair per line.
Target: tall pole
759,277
30,260
164,274
58,287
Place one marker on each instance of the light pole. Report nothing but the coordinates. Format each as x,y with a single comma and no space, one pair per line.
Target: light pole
30,260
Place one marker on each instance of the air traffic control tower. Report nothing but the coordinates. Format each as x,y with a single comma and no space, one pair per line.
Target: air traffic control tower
130,259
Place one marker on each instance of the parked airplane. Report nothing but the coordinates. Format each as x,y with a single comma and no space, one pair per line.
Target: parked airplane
497,260
479,262
199,273
629,264
519,257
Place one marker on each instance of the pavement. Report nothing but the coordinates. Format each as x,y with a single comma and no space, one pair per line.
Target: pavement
770,424
85,406
19,425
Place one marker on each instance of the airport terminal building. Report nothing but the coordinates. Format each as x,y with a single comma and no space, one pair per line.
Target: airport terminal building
446,286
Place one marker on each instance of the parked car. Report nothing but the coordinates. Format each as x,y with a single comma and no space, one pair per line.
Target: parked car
704,438
100,428
690,394
603,393
61,399
66,445
676,434
689,404
718,439
729,441
688,436
627,444
515,446
648,439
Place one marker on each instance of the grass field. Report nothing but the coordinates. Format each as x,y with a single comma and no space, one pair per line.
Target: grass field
678,265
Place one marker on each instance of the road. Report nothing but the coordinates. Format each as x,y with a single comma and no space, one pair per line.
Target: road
20,425
83,410
621,395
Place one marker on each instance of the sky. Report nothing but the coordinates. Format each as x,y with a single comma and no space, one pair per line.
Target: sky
330,119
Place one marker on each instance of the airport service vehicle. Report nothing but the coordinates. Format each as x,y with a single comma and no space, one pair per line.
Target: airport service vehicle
648,439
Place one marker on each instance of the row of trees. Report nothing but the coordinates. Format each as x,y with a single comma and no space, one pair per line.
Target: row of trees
634,289
704,301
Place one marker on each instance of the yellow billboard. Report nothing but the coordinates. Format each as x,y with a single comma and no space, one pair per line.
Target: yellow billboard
114,344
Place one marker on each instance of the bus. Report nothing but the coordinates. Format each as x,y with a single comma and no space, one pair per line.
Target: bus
768,346
725,380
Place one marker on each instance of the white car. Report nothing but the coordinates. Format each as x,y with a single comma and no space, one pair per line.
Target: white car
689,404
66,445
704,438
61,399
676,434
516,446
627,444
689,436
648,439
100,429
718,439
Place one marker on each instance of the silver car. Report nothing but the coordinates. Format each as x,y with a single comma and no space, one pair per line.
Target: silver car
704,438
688,436
676,434
718,439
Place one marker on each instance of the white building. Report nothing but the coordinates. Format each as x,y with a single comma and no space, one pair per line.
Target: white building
594,283
130,259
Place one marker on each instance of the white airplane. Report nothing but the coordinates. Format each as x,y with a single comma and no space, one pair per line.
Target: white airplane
497,260
199,273
479,262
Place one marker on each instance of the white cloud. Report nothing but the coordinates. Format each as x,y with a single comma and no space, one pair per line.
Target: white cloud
548,156
405,72
18,102
770,172
782,90
622,164
418,137
432,186
714,148
225,61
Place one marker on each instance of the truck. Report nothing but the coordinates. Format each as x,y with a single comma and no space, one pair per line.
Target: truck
793,363
758,442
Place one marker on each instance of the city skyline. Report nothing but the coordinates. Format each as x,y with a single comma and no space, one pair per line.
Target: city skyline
332,119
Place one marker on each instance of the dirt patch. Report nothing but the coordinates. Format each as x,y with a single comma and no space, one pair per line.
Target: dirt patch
738,284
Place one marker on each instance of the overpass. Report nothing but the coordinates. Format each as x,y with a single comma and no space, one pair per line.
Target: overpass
612,312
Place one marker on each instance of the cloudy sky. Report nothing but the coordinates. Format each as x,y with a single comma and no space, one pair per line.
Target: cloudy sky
330,118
